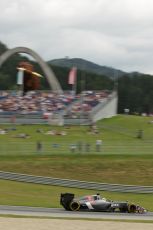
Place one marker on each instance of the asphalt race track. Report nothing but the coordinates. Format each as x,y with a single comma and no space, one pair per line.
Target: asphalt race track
57,212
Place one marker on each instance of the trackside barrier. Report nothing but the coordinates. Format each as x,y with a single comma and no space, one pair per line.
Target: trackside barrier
75,183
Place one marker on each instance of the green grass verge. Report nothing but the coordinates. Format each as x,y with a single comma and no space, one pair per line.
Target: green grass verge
118,134
120,169
26,194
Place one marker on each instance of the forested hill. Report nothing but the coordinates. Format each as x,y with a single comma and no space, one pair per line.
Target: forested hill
85,80
87,66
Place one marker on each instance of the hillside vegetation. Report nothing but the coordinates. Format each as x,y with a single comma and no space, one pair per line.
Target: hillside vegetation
124,158
87,66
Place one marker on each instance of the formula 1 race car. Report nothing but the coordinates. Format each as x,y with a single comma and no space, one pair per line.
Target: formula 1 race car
96,203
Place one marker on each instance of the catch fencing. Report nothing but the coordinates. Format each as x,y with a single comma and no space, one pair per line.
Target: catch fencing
75,183
22,148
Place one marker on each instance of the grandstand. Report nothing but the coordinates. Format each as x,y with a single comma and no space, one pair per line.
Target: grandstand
39,107
28,105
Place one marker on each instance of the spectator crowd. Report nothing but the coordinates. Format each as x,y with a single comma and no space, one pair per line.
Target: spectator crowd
40,102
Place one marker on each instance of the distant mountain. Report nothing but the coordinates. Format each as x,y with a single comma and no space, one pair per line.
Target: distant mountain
87,66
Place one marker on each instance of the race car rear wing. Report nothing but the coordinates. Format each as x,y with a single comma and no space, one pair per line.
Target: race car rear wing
66,199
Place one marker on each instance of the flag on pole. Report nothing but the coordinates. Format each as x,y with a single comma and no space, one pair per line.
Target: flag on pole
72,76
20,76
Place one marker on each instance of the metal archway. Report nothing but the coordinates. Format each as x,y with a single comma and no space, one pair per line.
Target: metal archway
52,80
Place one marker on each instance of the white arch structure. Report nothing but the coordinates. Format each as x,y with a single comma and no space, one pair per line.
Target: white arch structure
52,80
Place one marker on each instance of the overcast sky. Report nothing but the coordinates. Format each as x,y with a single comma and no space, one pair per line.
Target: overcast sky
114,33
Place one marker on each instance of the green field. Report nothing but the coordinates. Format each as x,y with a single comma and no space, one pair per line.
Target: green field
124,159
118,135
18,193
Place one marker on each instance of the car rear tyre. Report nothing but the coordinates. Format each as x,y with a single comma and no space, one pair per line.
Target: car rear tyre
74,206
